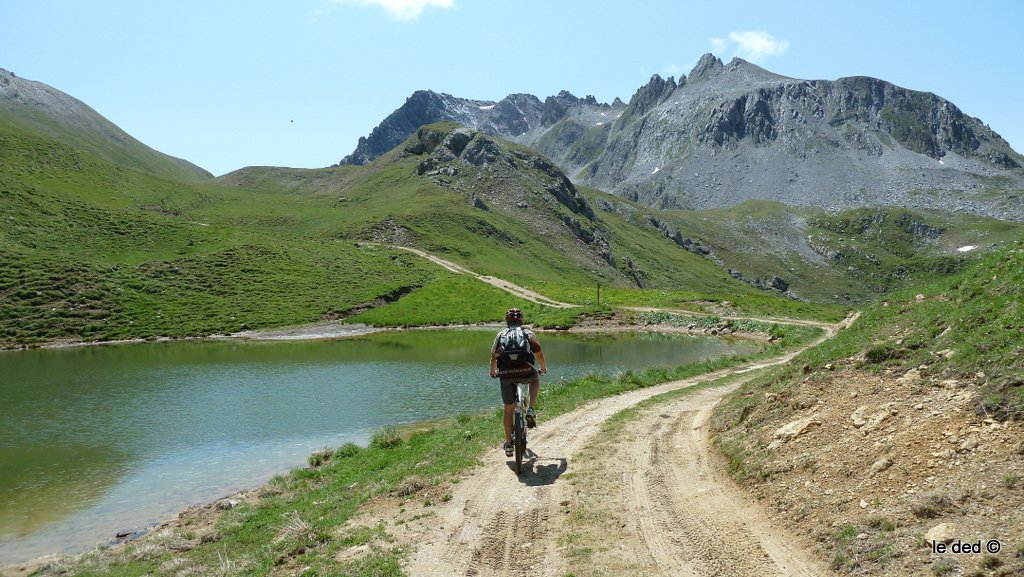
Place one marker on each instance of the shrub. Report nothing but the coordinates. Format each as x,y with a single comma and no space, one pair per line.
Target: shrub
347,450
320,457
881,353
386,438
931,506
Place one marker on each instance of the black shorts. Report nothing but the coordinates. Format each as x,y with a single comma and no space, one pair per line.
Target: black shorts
508,385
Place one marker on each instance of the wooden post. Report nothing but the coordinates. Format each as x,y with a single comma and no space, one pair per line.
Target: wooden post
598,294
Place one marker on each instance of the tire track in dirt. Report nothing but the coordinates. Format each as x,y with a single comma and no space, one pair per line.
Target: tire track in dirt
688,517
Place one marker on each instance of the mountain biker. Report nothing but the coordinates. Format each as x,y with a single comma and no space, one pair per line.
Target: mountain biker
513,372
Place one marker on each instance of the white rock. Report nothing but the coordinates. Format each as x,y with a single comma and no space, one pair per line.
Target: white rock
969,444
879,466
941,533
911,377
796,428
858,417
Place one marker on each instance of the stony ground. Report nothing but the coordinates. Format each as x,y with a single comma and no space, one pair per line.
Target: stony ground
882,470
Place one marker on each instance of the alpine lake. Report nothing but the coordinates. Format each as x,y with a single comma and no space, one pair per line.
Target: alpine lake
101,440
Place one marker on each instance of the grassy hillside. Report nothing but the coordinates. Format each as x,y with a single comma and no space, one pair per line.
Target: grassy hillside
969,323
501,219
35,108
95,251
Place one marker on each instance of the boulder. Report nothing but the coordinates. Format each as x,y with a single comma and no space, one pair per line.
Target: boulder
879,466
858,417
796,428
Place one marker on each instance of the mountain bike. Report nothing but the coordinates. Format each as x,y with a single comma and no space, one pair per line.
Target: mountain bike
519,424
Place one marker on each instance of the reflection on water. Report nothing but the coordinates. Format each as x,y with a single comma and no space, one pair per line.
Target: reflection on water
43,484
97,440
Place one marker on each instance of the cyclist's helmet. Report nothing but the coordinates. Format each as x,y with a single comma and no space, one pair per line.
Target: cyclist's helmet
514,315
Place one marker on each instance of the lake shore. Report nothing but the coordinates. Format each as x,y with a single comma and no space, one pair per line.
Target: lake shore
333,330
340,330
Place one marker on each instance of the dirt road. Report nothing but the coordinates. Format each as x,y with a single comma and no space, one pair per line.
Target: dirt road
659,501
652,501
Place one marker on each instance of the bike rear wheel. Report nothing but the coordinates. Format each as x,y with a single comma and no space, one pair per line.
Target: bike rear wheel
519,441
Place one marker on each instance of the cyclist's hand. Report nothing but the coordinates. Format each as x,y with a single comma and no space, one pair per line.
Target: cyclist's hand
494,375
543,370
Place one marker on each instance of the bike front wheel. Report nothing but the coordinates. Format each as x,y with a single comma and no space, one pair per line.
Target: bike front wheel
519,441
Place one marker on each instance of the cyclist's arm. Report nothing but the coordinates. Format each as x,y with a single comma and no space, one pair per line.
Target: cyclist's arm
494,362
539,354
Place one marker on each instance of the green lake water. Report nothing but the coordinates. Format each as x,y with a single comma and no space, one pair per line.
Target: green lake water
98,440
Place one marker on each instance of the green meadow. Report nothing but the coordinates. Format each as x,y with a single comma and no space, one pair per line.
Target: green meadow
94,251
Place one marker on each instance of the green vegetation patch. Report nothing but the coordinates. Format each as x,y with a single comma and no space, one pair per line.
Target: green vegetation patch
51,298
855,547
451,299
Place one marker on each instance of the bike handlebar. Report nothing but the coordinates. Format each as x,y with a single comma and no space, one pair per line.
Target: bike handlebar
506,372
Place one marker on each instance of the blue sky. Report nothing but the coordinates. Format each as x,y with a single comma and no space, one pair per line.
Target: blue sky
232,83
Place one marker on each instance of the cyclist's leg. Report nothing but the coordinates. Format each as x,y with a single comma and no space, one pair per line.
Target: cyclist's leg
509,413
534,382
508,399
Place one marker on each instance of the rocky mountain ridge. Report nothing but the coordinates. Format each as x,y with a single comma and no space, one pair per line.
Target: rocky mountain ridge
517,117
732,132
517,182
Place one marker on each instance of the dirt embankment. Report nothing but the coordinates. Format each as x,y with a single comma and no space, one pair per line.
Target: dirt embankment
884,471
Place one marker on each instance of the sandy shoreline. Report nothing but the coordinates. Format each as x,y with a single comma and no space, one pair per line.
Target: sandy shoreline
324,330
315,331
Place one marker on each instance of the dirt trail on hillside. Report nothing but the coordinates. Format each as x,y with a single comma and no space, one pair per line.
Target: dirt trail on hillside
504,285
781,320
681,515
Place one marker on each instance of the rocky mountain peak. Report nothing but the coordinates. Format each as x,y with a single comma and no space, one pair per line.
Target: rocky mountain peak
752,73
707,68
650,95
513,115
556,107
422,107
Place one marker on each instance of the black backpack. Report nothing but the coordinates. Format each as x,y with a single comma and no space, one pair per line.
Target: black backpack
514,346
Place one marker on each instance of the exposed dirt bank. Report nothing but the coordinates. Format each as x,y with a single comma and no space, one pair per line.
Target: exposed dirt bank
883,470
